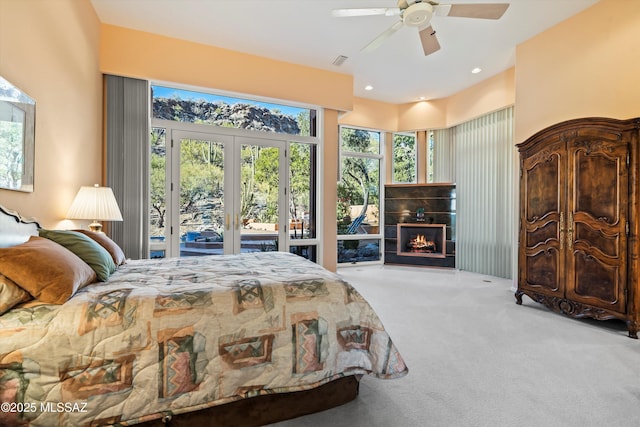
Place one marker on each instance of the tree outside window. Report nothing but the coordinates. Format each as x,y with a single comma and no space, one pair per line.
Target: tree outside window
358,207
359,186
404,158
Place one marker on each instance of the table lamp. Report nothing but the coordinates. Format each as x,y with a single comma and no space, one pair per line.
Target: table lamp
96,204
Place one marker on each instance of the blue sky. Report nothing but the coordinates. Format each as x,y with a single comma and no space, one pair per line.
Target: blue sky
168,92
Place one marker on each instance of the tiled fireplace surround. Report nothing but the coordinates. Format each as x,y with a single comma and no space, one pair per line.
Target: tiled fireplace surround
425,209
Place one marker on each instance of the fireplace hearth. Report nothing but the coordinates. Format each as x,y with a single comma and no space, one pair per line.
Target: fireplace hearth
423,240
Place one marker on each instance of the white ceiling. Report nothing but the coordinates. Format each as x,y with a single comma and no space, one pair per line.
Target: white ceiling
304,32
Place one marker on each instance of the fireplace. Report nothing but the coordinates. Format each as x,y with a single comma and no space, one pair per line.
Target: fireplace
405,204
422,240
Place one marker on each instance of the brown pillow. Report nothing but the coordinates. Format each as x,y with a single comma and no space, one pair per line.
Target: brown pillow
112,247
11,294
86,248
45,269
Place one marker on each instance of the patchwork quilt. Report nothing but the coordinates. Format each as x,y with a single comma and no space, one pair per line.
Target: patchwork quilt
175,335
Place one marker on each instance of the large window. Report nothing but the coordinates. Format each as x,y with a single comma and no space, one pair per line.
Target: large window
404,158
231,175
358,207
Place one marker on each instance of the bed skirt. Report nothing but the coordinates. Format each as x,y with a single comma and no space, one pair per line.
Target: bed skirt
267,409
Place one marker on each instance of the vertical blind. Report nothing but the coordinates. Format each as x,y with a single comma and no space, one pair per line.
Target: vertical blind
127,147
444,150
486,213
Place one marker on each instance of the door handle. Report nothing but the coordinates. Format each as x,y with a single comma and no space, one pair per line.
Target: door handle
227,222
237,222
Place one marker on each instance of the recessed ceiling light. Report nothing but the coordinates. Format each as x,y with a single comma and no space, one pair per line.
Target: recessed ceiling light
476,70
422,98
368,87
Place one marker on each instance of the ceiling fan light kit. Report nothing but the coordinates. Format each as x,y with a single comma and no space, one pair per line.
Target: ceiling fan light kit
418,14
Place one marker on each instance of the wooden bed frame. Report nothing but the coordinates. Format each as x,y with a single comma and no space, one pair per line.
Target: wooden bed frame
255,411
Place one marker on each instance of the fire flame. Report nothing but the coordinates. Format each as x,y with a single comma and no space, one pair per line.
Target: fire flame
420,243
419,240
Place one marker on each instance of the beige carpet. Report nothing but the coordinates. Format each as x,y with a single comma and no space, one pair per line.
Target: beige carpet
477,359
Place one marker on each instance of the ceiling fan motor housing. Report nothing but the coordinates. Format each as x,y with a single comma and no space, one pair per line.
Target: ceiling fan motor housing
417,15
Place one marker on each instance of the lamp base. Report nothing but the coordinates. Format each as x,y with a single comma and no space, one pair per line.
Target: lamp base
96,227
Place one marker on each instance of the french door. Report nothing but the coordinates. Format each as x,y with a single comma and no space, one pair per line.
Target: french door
226,194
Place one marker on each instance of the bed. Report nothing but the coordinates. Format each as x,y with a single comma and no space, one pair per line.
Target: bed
243,339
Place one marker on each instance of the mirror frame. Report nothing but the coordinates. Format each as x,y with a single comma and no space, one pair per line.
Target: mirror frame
14,100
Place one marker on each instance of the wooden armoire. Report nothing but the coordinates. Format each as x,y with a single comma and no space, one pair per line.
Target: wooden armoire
579,226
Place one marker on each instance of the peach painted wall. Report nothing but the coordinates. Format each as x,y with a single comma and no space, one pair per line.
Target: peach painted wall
586,66
371,114
422,115
49,49
149,56
329,176
489,95
492,94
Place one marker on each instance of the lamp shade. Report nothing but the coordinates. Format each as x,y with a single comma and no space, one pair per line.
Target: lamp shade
95,203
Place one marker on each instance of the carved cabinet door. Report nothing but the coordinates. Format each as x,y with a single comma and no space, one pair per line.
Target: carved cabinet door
597,218
542,218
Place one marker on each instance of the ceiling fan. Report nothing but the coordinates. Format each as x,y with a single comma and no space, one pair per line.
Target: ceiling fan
418,14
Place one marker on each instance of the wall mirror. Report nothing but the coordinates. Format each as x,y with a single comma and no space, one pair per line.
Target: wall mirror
17,138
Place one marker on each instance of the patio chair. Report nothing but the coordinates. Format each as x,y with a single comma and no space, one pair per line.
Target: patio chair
355,225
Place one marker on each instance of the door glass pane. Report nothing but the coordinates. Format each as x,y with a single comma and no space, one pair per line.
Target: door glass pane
158,203
201,197
302,224
259,189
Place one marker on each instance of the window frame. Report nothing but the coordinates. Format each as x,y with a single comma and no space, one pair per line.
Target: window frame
316,124
415,157
340,238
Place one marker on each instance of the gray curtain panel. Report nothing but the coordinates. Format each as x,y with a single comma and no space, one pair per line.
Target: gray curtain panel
486,207
127,148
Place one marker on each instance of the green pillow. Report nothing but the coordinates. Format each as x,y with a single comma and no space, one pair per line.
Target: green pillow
85,248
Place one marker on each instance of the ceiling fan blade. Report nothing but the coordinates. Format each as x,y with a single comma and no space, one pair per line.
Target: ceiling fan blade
429,40
472,10
382,37
387,11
